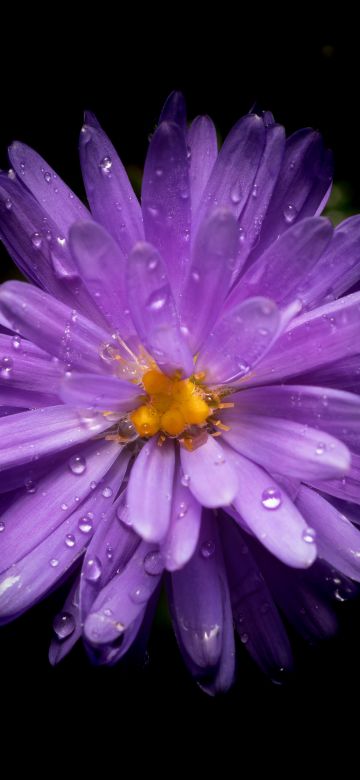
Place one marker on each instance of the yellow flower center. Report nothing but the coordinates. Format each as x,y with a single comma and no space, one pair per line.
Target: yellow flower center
171,406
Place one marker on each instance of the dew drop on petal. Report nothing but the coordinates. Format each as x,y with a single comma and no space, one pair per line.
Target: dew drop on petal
85,525
70,540
153,563
77,464
92,569
244,638
290,213
236,193
157,299
64,625
16,342
107,492
207,549
36,240
309,535
320,448
271,498
54,563
47,177
185,480
93,485
30,486
105,166
139,595
8,203
109,552
2,526
6,364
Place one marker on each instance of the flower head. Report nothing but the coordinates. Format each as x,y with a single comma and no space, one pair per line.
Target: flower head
179,393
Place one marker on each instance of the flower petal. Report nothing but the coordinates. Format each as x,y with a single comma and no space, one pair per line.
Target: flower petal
209,276
174,109
29,435
203,146
210,476
255,615
337,539
149,492
271,515
293,449
101,264
239,340
67,627
153,310
28,375
99,392
110,194
183,533
50,324
166,200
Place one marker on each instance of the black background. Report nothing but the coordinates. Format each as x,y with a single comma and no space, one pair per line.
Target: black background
123,70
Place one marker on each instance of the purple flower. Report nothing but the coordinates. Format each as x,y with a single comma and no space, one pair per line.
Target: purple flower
179,390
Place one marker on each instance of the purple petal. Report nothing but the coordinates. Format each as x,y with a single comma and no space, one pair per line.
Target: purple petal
110,194
149,492
256,617
209,276
210,476
99,392
67,627
337,540
343,373
29,435
304,179
347,488
101,265
50,324
239,340
291,258
233,174
153,310
197,599
174,110
183,533
123,600
290,448
166,200
56,198
28,375
271,515
203,146
314,339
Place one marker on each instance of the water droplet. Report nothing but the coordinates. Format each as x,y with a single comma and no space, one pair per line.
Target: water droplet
236,193
47,177
77,464
244,638
36,240
30,486
153,211
107,492
290,213
85,525
220,459
92,569
242,365
16,342
54,563
126,429
6,364
154,563
320,448
242,234
255,190
208,549
339,595
159,172
93,485
183,508
122,514
2,526
64,507
309,535
157,299
152,264
109,552
139,595
105,166
195,276
8,203
70,540
271,498
64,625
185,480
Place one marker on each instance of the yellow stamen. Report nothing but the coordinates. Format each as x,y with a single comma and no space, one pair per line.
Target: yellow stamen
146,420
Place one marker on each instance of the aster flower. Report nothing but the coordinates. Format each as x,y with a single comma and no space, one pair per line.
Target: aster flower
179,390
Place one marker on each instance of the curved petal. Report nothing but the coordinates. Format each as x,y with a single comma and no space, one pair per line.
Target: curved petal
153,310
149,492
271,515
210,476
174,109
101,264
99,392
290,448
183,533
28,376
314,339
209,277
112,200
56,198
50,324
67,627
239,340
165,200
337,539
347,488
203,146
